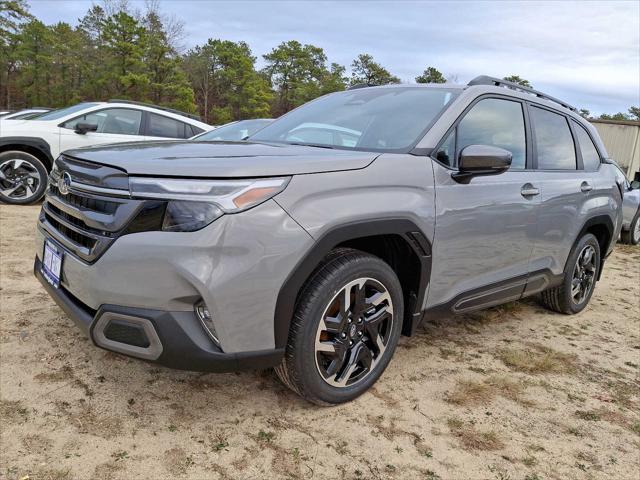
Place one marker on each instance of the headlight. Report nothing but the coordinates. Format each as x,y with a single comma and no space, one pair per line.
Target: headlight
194,204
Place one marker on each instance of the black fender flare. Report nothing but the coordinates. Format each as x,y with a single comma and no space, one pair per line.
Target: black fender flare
403,227
37,143
607,222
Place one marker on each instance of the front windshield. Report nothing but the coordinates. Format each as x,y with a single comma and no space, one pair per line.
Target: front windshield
377,119
235,131
56,114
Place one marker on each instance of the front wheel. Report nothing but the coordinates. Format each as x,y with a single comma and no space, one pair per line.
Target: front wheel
580,275
345,328
23,178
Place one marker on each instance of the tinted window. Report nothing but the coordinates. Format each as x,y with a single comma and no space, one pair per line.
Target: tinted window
495,122
160,126
590,156
387,119
554,143
119,121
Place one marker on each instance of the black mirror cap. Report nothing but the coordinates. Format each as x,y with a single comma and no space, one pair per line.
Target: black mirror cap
481,160
83,128
635,185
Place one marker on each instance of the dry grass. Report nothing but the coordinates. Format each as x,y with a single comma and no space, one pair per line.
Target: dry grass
468,392
472,439
538,359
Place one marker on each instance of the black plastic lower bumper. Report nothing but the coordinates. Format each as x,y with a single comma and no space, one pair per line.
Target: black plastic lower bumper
184,343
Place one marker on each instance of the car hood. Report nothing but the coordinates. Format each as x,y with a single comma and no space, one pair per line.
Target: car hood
221,159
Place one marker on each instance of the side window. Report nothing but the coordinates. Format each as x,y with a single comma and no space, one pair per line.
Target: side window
495,122
554,143
161,126
120,121
590,155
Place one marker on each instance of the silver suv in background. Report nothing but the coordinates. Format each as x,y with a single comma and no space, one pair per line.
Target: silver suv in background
312,246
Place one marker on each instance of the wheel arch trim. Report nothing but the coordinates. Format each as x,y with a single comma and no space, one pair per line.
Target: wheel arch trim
37,143
403,227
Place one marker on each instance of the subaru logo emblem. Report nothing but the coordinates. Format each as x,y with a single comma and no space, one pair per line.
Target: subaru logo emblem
64,183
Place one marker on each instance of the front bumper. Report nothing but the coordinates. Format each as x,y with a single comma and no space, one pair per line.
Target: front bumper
175,339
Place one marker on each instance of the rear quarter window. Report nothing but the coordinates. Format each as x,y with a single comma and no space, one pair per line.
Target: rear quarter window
590,155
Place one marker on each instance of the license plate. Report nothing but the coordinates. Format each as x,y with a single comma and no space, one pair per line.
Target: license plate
52,263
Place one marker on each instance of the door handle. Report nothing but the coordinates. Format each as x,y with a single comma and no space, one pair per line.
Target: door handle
586,187
529,190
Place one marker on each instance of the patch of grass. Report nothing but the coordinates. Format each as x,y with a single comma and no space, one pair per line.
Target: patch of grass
590,416
120,455
529,461
172,428
636,427
341,447
538,359
468,392
472,439
431,475
266,437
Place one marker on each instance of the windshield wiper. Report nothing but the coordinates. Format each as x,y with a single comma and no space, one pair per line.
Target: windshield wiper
318,145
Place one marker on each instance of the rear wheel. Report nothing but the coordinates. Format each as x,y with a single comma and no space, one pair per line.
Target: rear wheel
345,329
23,178
580,274
632,236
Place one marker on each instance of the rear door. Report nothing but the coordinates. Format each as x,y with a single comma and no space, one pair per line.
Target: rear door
114,125
485,229
567,187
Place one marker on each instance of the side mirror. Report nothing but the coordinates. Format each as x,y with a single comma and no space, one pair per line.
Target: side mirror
478,160
83,128
635,185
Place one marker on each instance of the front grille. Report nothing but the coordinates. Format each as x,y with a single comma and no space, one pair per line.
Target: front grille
84,202
76,237
86,220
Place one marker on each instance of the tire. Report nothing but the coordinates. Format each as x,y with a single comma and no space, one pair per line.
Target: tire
563,298
632,236
373,309
23,178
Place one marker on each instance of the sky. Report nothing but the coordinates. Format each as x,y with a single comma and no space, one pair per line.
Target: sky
586,53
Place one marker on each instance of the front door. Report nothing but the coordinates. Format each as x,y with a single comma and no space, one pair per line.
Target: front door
485,229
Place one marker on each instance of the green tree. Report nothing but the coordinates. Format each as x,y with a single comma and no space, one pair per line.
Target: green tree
34,52
168,84
296,72
334,80
365,71
518,80
13,15
584,112
431,75
226,84
615,116
634,113
124,42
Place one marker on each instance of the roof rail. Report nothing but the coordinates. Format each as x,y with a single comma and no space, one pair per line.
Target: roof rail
151,105
498,82
361,85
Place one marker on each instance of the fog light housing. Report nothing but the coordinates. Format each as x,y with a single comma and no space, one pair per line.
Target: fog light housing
203,314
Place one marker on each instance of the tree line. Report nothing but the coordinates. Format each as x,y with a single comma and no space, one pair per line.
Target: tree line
117,52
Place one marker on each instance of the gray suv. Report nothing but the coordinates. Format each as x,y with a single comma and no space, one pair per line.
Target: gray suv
312,246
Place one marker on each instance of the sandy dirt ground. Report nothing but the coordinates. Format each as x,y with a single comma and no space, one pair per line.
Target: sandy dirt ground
515,392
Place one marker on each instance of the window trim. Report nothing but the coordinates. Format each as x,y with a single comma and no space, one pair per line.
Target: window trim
529,166
60,125
573,138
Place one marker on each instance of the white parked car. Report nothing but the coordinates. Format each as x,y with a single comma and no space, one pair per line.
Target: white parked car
29,147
